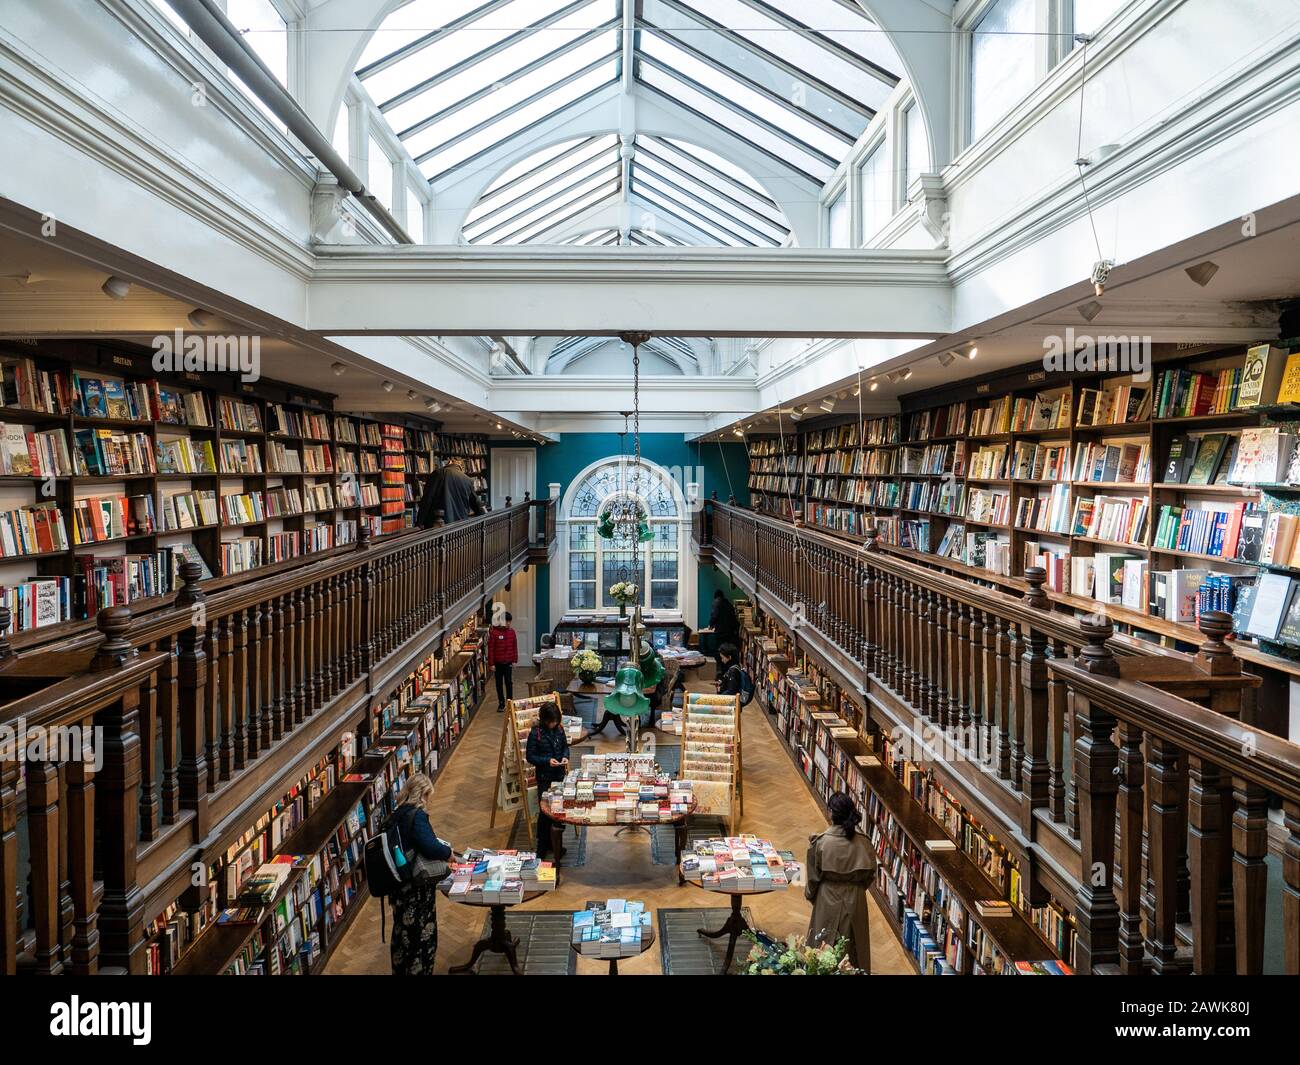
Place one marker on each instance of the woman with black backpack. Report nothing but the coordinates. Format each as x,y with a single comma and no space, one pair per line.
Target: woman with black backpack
415,914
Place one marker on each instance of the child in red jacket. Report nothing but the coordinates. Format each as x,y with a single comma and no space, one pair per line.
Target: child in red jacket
503,653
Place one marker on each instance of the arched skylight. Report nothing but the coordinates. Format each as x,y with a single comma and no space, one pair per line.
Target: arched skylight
796,80
679,193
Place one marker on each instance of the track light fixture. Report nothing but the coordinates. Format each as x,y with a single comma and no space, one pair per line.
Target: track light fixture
906,374
795,414
946,358
872,385
828,404
339,369
1202,273
972,351
115,288
387,386
199,318
1088,311
412,394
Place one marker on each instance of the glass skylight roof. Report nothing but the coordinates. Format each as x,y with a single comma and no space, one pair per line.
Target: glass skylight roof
797,79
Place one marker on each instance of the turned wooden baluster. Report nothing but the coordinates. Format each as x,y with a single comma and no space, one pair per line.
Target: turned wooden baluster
149,728
240,686
9,894
169,725
226,671
966,670
83,952
1132,803
263,649
869,612
301,661
1095,762
117,802
192,684
896,634
1209,848
1058,703
212,702
319,644
1034,771
1164,844
43,874
1291,888
927,642
1249,873
975,645
1004,699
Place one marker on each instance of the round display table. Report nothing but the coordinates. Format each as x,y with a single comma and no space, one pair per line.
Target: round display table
498,939
735,925
647,941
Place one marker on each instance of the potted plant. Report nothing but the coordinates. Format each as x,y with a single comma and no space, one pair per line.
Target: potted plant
794,956
585,665
622,593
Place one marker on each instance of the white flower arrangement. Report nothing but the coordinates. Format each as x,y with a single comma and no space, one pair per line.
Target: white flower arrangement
585,662
623,592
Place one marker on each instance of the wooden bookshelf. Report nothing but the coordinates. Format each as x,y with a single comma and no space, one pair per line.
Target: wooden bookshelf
311,476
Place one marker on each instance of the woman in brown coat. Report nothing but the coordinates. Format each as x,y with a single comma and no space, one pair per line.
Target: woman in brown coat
841,866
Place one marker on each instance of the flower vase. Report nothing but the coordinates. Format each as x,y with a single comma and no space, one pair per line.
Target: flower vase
587,677
622,609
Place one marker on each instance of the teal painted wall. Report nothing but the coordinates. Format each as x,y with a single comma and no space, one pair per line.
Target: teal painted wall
725,471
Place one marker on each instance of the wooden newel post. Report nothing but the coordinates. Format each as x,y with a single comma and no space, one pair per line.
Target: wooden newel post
363,534
1214,657
114,623
1036,577
439,518
1096,759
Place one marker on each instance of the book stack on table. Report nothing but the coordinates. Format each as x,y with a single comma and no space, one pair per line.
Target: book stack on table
488,877
739,863
614,928
613,789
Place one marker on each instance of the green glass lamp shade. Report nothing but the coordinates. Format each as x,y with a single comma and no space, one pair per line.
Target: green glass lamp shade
652,666
644,533
626,700
606,527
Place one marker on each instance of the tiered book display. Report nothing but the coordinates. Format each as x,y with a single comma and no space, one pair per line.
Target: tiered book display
711,754
954,892
1157,496
112,474
608,636
516,778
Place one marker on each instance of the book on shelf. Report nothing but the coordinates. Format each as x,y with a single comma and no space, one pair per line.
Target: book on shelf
1268,609
26,451
25,387
1261,376
182,454
38,602
1263,455
30,530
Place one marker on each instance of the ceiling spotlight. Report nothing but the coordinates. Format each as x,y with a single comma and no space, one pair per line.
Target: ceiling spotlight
412,394
828,404
872,385
338,369
387,386
1088,311
738,431
795,414
1201,273
200,319
972,352
946,358
433,405
115,288
498,425
906,374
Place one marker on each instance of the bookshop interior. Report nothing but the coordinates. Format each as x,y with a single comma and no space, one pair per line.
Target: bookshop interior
649,487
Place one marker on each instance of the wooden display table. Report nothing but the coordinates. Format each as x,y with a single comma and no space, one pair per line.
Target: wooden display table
735,925
647,941
679,823
498,939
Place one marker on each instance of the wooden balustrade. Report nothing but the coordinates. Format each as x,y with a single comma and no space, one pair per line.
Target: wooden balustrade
1132,763
204,712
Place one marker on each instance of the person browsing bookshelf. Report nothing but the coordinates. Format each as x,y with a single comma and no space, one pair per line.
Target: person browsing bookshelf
451,491
415,916
548,753
841,866
503,653
730,680
724,624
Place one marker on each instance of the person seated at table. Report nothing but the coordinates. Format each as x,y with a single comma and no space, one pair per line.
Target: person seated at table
729,676
415,914
548,753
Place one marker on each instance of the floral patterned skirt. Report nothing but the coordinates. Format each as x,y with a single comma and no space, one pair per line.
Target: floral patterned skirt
415,929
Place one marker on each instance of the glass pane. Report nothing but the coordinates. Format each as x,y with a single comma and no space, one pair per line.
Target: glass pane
717,162
877,197
663,566
582,566
516,121
918,151
513,199
621,566
569,214
380,180
683,160
655,199
782,116
591,188
496,68
262,27
414,216
665,537
852,29
582,596
1003,47
837,221
582,537
1090,14
411,22
663,595
342,130
714,206
734,121
694,208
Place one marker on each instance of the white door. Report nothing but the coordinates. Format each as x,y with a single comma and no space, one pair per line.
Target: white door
514,472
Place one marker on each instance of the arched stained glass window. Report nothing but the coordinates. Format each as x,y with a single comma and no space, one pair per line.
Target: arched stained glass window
595,563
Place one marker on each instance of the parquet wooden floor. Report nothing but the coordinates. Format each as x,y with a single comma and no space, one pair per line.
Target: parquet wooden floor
778,807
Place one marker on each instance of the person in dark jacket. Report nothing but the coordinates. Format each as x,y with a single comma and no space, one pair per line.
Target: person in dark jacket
725,625
548,753
415,916
729,680
503,653
451,491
